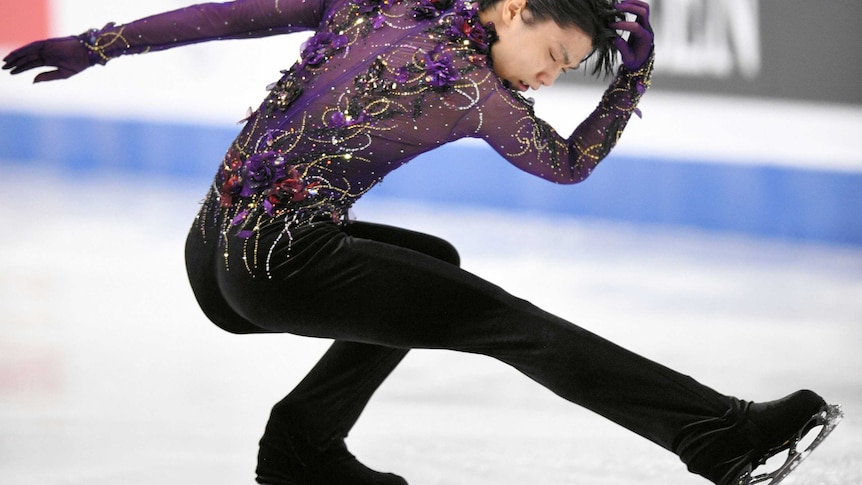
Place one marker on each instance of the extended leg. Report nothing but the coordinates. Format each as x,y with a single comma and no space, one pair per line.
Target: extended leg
359,290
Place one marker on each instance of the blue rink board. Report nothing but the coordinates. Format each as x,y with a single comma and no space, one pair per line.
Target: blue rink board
759,200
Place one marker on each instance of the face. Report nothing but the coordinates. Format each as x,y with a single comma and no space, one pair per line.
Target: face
533,55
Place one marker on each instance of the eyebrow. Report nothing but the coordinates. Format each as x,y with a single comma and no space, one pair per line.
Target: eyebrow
565,55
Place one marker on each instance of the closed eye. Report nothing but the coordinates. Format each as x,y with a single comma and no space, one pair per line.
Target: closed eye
554,60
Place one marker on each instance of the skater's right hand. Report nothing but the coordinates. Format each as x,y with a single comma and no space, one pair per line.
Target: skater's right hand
66,54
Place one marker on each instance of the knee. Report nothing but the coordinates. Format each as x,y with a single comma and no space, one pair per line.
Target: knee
447,252
427,244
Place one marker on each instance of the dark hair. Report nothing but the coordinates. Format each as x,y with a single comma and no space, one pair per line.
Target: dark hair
591,16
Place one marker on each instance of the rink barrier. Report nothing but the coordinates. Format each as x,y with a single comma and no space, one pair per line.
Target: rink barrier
746,198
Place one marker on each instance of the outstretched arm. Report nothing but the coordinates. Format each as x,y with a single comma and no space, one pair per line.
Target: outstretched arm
199,23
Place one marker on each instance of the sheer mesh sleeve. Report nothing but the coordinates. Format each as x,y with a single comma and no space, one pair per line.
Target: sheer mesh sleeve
509,124
199,23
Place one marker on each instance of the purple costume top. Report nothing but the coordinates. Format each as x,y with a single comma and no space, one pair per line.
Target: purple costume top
379,83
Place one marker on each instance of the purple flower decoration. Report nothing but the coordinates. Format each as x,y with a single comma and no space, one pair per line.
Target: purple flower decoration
481,36
259,171
375,7
465,25
316,49
440,71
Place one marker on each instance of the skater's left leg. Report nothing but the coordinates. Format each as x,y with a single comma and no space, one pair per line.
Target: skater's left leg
311,423
306,430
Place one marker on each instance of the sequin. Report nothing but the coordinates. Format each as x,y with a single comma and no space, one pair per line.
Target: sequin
379,83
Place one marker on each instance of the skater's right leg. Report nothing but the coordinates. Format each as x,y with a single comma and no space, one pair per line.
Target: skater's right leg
729,450
357,290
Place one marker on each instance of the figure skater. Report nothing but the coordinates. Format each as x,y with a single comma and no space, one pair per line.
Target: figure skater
378,83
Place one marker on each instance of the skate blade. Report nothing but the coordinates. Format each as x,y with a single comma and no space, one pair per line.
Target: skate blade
828,418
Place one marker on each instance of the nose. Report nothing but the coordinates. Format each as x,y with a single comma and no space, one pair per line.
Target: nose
547,77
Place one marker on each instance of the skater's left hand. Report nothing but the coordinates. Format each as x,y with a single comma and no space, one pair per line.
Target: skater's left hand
639,46
66,54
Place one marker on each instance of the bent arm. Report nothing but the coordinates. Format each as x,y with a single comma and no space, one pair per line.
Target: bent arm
594,138
510,126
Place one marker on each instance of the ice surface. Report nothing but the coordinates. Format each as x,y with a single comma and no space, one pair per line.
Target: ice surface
110,374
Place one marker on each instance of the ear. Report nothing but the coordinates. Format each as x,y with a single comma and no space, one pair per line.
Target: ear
512,10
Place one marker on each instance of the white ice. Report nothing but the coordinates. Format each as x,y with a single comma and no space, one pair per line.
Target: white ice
110,374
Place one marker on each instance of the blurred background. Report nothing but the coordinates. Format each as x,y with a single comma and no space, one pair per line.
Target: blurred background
722,237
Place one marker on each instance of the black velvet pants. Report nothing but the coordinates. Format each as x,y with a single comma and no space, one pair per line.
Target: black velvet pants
379,291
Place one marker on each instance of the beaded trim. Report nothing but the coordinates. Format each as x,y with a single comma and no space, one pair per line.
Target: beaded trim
100,42
263,182
624,95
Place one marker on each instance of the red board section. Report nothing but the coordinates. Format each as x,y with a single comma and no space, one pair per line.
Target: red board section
23,21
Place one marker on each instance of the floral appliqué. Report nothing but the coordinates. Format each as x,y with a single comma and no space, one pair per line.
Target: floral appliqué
259,181
436,68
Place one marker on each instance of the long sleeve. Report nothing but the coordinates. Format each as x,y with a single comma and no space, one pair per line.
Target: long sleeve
380,83
200,23
508,123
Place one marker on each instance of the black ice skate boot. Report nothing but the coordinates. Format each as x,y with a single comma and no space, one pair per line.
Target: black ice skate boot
727,450
292,460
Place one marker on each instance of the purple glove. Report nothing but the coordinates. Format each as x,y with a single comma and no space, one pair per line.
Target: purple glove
67,54
636,51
